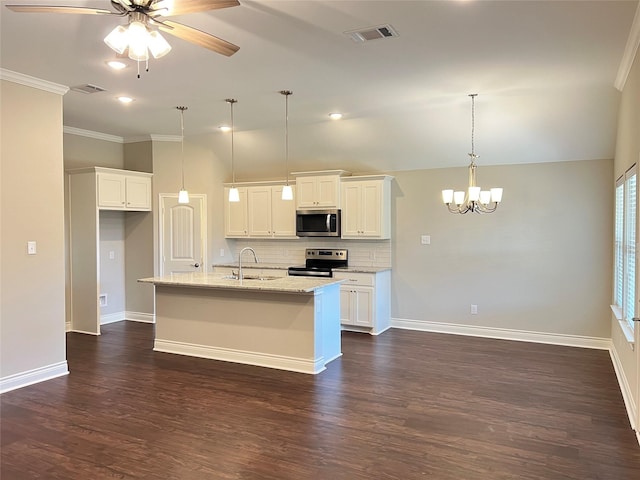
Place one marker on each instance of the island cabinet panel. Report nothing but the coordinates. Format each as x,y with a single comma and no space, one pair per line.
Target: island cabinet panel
318,191
365,301
120,190
261,213
283,326
366,207
236,222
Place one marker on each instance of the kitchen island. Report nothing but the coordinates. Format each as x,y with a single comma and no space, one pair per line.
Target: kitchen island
289,323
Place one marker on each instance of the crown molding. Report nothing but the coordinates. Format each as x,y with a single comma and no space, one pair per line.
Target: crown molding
33,82
630,51
97,135
153,138
166,138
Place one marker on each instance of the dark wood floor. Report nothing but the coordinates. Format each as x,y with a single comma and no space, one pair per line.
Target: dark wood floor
404,405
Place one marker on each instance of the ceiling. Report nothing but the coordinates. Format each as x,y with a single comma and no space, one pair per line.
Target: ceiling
543,70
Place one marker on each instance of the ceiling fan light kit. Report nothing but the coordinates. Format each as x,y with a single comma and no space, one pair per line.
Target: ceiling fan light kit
138,37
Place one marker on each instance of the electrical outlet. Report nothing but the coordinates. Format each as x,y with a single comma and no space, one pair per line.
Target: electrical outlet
474,309
112,255
222,252
425,239
31,248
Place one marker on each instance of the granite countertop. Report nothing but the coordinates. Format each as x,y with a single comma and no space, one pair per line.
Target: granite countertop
282,266
304,285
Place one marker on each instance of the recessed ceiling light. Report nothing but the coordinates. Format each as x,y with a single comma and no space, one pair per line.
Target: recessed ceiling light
124,99
225,128
335,116
116,64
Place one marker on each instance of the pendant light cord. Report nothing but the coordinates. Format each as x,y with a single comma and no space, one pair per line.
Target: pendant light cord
473,125
286,94
182,109
231,101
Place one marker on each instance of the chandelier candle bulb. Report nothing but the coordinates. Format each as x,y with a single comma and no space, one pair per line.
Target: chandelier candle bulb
496,195
447,196
234,195
485,197
474,193
458,197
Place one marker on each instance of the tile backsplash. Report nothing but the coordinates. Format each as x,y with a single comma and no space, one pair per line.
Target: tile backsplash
373,253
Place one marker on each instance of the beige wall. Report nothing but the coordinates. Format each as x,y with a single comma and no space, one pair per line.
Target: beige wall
541,263
628,153
32,209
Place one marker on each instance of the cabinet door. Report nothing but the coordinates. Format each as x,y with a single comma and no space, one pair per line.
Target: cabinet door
362,306
305,187
111,191
283,214
138,193
235,222
327,191
370,211
345,306
351,194
259,211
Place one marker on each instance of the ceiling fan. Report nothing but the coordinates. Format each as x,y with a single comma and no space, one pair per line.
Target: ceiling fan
137,36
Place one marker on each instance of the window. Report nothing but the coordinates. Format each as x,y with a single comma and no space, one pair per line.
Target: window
625,247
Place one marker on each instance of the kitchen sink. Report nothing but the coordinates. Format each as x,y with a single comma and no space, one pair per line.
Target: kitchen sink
250,277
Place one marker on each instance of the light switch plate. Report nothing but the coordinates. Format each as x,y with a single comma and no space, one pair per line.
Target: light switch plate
31,248
425,239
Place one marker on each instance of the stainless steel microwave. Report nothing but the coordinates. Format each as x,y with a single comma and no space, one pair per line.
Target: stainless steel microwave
318,223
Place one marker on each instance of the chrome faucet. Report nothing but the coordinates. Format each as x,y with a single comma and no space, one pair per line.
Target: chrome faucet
255,257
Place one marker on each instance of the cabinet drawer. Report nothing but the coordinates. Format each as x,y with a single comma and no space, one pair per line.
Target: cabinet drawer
363,279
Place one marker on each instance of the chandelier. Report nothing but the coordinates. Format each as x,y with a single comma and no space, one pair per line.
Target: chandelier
474,199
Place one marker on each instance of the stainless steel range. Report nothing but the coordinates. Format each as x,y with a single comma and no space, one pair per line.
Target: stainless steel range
320,262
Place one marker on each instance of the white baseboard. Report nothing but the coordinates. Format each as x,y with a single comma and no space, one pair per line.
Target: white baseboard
73,330
140,317
503,333
36,375
629,404
112,318
239,356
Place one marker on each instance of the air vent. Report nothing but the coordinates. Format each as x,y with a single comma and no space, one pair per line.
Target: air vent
372,33
88,88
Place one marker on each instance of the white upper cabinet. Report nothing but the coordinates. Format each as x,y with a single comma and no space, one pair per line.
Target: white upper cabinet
366,207
283,213
123,190
261,213
236,221
318,190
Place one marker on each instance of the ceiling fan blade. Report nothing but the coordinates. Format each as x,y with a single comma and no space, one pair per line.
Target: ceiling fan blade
199,38
56,9
180,7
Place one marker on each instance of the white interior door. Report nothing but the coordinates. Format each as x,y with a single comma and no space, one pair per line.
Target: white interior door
183,231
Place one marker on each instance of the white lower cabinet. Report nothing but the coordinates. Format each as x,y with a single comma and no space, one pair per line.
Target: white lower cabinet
365,301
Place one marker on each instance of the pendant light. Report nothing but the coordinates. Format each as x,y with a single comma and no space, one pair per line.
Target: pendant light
234,195
287,191
474,199
183,196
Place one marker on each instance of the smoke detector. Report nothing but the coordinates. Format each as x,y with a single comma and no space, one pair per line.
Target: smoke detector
372,33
